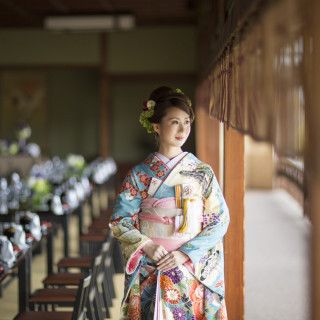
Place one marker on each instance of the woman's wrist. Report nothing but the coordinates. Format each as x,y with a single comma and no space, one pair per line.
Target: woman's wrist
146,246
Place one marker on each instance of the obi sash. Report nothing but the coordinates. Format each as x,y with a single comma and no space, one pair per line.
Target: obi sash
169,226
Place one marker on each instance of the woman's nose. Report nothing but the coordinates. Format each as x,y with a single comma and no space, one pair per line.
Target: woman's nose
183,127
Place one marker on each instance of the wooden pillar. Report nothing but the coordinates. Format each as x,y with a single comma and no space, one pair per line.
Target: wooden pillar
234,188
104,133
207,130
313,187
207,140
315,260
313,133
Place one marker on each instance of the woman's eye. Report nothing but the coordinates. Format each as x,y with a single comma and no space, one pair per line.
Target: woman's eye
187,122
175,122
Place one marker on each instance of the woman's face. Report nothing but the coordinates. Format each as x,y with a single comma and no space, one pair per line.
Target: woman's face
174,128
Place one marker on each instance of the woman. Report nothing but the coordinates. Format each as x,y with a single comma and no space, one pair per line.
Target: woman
170,218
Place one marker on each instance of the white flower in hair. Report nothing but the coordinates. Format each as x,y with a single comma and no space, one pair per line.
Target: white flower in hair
151,104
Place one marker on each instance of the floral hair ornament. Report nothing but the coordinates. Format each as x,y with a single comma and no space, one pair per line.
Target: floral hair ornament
146,114
177,90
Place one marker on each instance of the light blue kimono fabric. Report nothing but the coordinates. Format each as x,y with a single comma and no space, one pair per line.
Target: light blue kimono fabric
206,249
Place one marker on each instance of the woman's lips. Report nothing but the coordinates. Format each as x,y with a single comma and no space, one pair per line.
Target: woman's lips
180,138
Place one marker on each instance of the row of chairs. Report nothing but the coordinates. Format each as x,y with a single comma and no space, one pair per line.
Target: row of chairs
96,298
78,312
89,291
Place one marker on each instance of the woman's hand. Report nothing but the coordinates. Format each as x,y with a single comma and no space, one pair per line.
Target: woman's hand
172,260
154,251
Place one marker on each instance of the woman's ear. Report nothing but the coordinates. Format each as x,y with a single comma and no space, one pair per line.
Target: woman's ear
156,127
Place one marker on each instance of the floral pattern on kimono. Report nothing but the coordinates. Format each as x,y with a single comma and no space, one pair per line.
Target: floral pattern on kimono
184,293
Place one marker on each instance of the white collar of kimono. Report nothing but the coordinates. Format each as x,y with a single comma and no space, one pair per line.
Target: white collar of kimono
170,162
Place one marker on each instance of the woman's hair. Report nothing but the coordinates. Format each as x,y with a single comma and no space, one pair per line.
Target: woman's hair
166,98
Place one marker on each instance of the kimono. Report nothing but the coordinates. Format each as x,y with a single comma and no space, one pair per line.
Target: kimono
181,207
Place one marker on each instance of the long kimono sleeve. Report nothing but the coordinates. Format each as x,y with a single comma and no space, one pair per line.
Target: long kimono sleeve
124,223
206,250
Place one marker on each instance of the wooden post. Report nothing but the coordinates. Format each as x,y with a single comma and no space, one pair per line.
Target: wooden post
234,188
104,114
207,130
315,260
312,135
207,140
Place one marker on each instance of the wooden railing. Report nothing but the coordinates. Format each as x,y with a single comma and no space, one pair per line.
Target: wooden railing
290,176
293,170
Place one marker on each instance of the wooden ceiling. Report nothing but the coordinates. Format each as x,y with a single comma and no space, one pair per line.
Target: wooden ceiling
31,13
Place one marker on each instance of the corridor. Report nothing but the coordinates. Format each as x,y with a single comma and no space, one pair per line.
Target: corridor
276,257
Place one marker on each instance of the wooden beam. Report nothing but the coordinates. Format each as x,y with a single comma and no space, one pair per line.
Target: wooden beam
134,77
104,90
59,6
108,5
234,188
47,67
19,10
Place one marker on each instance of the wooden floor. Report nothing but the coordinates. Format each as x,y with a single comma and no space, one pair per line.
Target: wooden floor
277,284
9,299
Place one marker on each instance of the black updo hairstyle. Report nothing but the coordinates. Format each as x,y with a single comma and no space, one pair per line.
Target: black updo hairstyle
166,98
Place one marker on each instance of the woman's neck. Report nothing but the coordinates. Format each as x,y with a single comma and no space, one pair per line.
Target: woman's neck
170,153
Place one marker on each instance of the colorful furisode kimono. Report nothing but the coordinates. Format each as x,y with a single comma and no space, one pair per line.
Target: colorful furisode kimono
178,204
